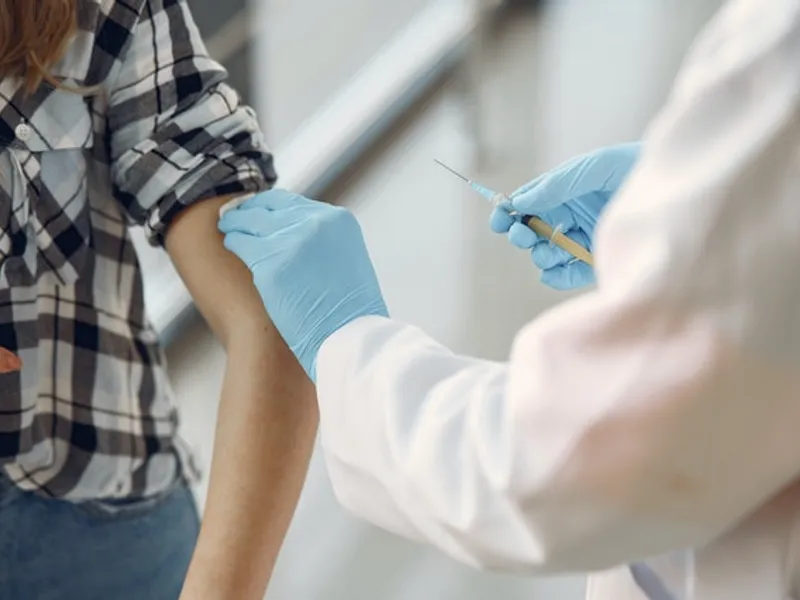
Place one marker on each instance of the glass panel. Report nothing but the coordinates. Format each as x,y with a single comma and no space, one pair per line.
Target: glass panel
311,48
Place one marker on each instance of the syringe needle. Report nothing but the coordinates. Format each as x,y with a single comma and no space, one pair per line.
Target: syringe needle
457,174
556,236
490,195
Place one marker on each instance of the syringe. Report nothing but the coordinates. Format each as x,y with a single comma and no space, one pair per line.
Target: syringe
535,223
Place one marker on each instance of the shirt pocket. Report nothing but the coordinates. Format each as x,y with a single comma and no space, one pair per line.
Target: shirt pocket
49,229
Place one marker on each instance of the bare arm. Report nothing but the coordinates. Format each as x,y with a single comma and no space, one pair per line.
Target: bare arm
267,419
179,137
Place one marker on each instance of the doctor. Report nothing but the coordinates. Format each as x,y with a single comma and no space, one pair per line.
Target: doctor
660,411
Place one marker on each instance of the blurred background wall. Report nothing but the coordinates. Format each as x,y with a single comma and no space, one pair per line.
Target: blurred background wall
357,97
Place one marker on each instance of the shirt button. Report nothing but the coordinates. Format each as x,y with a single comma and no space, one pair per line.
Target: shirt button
23,132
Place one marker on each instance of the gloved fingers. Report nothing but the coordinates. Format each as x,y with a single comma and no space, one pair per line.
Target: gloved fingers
546,255
522,236
551,191
568,277
244,245
252,221
600,171
543,193
561,217
528,186
260,221
500,221
275,199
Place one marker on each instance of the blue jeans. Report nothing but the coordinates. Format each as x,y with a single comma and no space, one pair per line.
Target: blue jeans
135,550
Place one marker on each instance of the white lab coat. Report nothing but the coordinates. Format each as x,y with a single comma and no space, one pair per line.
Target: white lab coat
661,410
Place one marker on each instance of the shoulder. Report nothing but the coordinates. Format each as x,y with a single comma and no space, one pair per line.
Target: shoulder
104,33
92,14
104,30
115,16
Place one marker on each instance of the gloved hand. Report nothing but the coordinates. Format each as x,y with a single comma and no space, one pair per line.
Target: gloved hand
572,197
310,265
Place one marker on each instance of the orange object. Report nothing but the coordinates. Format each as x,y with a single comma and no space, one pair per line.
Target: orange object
9,362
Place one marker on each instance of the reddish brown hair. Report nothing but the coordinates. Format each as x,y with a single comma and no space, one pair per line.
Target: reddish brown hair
33,37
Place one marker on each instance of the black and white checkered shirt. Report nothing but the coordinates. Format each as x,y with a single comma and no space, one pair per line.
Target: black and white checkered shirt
91,415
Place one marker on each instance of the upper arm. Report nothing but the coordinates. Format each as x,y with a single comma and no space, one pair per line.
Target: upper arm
181,143
178,134
220,284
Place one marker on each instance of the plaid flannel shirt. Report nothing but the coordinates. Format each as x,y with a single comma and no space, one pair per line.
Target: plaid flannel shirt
90,415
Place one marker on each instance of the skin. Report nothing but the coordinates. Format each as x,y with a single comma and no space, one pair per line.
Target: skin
9,362
267,419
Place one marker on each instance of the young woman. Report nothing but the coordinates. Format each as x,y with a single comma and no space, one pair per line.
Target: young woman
112,114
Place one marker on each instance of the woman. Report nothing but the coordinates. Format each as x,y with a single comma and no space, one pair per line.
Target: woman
657,413
112,114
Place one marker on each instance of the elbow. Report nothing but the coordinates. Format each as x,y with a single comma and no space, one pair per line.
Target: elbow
253,340
245,330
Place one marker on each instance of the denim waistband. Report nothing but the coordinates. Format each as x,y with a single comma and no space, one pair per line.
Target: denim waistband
127,506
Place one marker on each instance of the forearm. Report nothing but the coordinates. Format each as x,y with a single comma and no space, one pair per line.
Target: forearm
265,432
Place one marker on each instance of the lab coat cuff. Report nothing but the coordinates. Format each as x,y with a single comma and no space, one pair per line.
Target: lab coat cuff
333,354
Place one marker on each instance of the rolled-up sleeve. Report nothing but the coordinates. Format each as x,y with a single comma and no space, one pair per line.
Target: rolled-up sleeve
178,133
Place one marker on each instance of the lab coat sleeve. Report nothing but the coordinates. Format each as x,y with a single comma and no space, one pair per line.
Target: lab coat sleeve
650,414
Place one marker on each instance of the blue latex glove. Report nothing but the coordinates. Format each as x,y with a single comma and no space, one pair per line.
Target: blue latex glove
310,265
572,197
